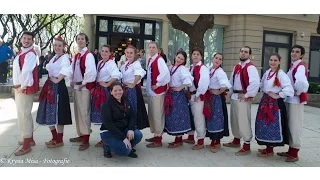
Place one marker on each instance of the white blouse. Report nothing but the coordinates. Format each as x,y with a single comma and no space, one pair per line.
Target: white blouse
60,66
182,76
286,89
133,70
108,71
219,79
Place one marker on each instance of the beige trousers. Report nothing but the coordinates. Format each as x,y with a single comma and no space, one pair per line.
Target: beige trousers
82,111
24,104
241,119
156,114
295,121
198,118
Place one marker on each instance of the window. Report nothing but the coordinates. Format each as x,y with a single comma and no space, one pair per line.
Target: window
148,28
102,41
276,42
314,62
126,27
103,26
158,34
213,43
119,32
177,39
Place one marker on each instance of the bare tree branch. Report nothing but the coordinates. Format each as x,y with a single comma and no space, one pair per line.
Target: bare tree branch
4,26
204,22
179,24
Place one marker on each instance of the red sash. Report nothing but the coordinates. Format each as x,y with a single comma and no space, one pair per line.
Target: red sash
47,92
168,101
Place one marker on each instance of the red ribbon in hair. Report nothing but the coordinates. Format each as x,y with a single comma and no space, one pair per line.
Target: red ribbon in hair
59,38
277,82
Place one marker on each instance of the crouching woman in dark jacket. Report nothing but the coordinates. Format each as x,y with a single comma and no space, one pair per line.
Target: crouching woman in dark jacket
118,131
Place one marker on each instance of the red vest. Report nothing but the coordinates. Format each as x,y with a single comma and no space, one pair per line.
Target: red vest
35,86
196,75
244,76
154,74
303,96
89,85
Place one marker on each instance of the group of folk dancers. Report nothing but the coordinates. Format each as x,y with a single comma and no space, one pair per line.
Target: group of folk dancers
181,100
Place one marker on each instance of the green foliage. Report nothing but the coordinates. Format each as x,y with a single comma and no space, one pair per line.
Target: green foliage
314,88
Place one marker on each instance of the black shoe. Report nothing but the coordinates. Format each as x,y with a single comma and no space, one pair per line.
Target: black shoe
134,150
107,154
132,155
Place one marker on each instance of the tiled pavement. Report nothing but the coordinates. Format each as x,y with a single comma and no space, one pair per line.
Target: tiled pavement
164,157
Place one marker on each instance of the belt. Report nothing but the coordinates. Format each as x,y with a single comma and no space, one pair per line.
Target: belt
238,91
193,92
78,83
16,86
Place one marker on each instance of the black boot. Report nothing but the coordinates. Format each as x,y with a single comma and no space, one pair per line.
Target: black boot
132,155
107,154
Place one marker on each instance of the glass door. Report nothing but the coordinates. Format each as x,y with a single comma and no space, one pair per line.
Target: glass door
285,60
266,56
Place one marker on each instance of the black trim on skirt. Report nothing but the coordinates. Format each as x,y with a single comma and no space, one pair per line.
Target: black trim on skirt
64,111
225,132
142,116
284,125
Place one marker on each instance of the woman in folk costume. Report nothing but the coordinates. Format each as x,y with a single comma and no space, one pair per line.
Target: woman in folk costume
54,108
215,107
132,73
177,121
107,73
271,127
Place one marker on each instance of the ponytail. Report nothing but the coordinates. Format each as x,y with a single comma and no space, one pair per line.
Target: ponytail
276,79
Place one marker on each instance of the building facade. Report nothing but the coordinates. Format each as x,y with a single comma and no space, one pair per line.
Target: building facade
264,33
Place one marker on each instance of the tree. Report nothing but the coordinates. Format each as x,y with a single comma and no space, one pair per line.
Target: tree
44,26
196,31
318,28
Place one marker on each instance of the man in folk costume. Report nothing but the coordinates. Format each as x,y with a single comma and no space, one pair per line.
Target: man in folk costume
26,84
158,76
196,98
54,106
107,73
83,81
295,105
245,83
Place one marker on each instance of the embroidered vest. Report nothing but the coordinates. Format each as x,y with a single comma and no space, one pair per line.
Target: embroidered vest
35,87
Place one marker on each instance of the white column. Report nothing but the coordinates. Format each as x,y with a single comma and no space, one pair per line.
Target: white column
88,25
165,35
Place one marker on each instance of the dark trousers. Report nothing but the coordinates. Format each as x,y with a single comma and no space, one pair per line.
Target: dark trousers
117,146
3,72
